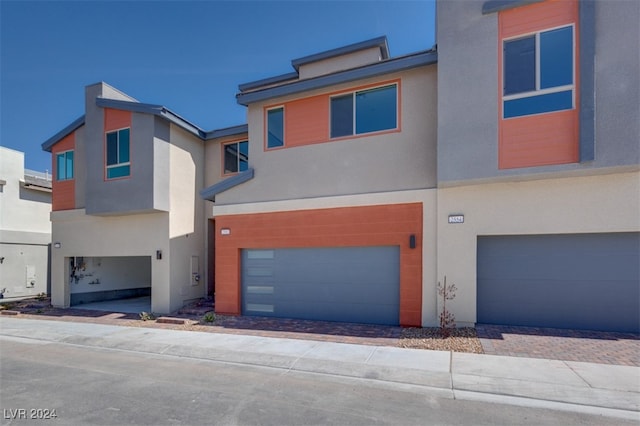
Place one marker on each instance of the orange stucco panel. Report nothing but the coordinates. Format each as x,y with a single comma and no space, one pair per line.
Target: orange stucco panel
339,227
542,139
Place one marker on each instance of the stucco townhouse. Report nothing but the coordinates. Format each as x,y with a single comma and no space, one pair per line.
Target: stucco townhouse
506,159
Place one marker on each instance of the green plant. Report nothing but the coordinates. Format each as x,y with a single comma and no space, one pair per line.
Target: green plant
447,319
209,317
41,296
147,316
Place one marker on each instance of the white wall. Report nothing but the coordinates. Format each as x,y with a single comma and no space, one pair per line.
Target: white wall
594,204
106,236
25,230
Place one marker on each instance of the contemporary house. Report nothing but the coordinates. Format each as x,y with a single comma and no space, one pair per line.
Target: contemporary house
506,159
127,219
539,150
25,229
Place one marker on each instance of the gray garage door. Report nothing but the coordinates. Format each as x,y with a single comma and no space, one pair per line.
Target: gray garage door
347,284
579,281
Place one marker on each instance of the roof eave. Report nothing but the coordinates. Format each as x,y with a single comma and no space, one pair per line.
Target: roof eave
75,125
493,6
393,65
211,192
227,131
380,42
158,110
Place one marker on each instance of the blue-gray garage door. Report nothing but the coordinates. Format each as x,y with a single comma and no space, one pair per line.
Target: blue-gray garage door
577,281
346,284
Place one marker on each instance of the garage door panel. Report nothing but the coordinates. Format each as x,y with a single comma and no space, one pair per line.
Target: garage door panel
584,281
354,284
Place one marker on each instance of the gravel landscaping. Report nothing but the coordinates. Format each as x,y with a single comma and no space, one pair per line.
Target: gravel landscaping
460,340
199,317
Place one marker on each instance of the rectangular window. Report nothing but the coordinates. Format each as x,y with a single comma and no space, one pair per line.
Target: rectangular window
118,164
275,127
64,165
539,73
236,157
364,111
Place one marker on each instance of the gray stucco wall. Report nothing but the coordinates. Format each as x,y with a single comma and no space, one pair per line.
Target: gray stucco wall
385,162
128,195
468,92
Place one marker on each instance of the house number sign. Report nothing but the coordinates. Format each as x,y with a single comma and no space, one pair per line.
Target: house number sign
456,218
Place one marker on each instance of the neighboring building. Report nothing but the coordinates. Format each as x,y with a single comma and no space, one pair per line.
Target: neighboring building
539,149
25,229
362,180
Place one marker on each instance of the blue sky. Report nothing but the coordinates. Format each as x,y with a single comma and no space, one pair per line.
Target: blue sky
189,56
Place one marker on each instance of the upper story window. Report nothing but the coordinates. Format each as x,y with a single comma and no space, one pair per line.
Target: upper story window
236,157
275,127
118,164
64,165
539,72
364,111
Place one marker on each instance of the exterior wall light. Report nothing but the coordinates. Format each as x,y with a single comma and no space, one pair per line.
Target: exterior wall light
57,244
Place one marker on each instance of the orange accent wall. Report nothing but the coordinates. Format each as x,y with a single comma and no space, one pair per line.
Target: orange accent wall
339,227
307,120
542,139
64,191
115,119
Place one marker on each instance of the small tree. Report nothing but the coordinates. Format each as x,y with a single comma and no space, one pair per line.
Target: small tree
447,319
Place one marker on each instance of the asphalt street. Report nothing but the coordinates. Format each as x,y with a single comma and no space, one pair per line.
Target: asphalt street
89,385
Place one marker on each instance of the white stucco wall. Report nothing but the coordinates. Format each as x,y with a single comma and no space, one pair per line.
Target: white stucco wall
186,217
103,236
593,204
25,230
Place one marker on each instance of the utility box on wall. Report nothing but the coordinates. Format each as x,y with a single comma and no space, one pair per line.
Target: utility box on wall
30,276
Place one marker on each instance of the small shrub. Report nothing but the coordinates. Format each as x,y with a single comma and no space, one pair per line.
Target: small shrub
209,317
41,296
447,319
147,316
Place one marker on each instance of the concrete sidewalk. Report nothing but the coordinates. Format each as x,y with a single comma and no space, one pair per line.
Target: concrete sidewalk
575,386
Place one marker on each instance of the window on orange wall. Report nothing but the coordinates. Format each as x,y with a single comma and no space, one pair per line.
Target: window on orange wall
539,72
64,165
118,164
236,157
364,111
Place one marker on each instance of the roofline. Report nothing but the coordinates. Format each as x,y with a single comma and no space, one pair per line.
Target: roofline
157,110
227,131
267,81
493,6
402,63
380,42
75,125
211,192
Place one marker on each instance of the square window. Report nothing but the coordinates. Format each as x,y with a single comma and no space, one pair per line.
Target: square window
118,164
376,109
275,127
